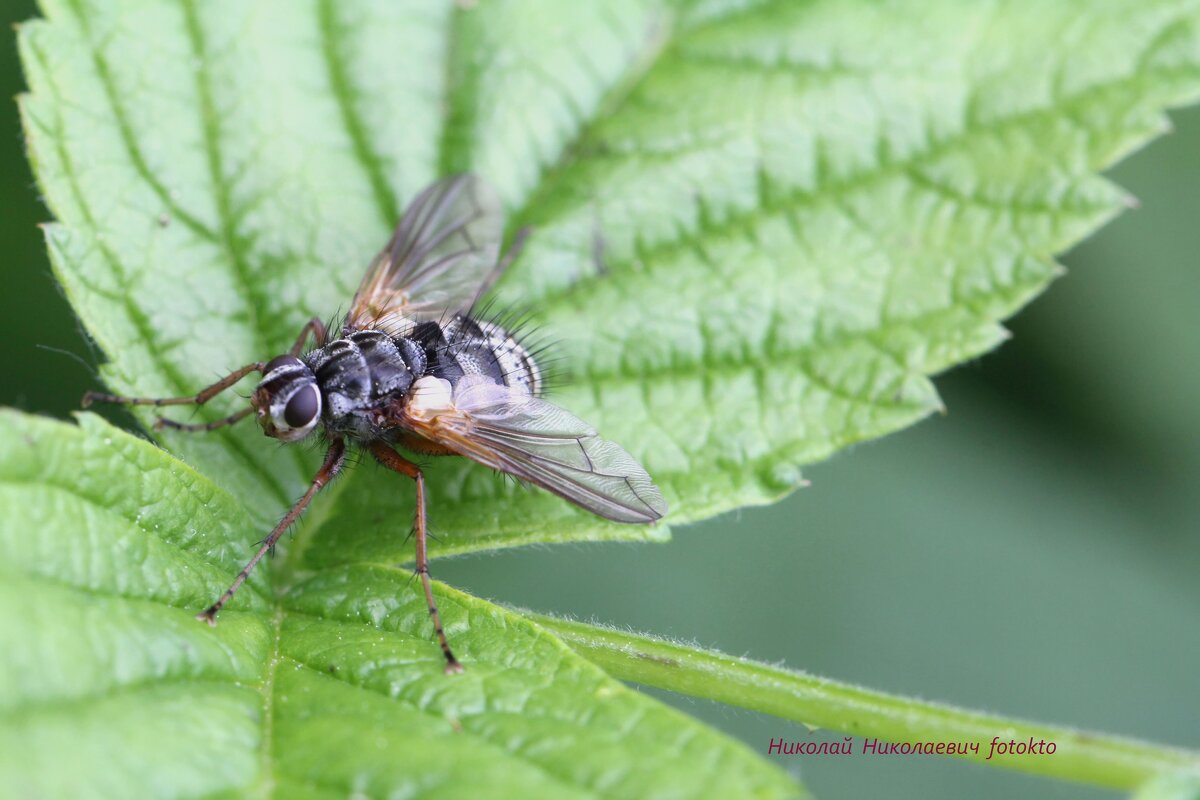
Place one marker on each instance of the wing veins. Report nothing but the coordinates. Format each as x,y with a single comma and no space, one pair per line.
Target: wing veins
491,424
443,253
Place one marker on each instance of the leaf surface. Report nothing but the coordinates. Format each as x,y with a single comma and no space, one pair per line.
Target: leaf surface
758,227
111,545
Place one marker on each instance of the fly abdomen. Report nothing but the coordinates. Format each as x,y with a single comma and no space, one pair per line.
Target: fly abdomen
465,346
434,342
517,365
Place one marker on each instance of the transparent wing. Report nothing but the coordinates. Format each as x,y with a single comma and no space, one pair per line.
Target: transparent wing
441,258
538,442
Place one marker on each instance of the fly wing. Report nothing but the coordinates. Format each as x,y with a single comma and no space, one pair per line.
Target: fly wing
536,441
441,258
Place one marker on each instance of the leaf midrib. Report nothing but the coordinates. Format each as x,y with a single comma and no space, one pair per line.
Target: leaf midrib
267,750
341,86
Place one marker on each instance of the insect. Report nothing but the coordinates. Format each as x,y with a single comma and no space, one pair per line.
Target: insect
414,367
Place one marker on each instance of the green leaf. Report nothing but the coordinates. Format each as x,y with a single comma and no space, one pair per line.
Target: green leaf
759,227
111,545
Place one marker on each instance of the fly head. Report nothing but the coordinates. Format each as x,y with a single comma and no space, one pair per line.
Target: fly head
287,401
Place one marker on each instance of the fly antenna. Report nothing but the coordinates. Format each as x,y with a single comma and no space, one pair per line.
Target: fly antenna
91,369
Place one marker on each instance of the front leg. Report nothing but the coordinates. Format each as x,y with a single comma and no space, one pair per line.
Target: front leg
314,327
394,461
198,399
335,459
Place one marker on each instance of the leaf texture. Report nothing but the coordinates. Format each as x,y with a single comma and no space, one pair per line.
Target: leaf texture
335,688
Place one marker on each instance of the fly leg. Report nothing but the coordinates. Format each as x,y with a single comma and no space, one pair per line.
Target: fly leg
198,399
335,459
313,327
394,461
237,416
319,332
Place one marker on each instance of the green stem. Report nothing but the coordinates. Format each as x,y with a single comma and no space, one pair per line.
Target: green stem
1098,759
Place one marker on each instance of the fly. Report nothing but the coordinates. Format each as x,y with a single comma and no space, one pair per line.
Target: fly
414,367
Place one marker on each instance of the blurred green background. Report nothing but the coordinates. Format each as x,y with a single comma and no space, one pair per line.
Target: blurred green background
1034,552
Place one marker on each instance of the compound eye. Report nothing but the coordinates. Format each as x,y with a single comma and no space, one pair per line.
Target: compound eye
302,408
281,361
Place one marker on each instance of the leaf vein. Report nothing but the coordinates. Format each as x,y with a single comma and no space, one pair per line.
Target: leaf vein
736,220
125,130
514,754
141,324
346,95
229,238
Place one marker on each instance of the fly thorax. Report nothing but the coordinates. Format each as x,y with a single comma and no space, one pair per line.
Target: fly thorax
363,369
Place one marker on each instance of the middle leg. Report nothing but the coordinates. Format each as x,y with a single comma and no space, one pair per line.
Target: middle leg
394,461
319,333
